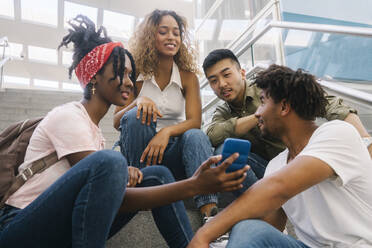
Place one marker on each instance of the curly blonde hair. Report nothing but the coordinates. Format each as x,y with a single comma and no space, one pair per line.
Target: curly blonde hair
145,54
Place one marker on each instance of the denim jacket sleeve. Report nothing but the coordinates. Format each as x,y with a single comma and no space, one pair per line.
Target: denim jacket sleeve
222,125
336,109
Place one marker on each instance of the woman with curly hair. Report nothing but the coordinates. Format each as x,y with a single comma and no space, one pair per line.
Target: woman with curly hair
167,94
86,194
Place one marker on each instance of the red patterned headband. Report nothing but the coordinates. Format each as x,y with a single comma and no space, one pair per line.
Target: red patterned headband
93,62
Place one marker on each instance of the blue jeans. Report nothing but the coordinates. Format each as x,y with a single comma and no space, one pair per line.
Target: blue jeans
183,154
257,234
256,172
171,220
80,208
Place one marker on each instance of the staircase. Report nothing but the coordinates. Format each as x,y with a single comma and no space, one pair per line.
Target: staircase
141,231
20,104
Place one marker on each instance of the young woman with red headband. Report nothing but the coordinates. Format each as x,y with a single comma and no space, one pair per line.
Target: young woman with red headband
168,96
86,196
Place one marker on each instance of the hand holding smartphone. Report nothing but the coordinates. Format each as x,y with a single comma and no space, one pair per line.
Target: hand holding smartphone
232,145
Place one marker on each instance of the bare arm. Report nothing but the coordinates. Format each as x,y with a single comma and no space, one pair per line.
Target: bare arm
354,120
265,197
74,158
121,110
277,219
205,180
245,124
224,126
144,104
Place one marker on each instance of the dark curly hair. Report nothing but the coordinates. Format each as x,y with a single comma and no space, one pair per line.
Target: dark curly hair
85,38
300,89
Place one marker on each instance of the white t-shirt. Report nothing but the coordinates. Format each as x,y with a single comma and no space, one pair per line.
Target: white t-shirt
66,129
170,101
338,211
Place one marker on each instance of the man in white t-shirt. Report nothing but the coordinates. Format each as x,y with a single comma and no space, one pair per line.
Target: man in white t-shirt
322,182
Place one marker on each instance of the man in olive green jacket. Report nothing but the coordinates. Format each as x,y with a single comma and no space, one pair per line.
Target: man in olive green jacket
235,118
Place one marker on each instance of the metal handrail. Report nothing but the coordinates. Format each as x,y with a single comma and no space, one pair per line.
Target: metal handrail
209,13
4,43
347,91
326,28
335,29
3,61
346,30
264,12
4,40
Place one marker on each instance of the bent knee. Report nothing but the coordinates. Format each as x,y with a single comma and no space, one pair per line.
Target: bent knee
112,161
196,134
251,233
159,173
130,120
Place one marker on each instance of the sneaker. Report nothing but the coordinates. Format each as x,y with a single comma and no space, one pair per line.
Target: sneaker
222,241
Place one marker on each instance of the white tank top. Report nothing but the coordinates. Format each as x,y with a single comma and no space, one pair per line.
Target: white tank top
170,101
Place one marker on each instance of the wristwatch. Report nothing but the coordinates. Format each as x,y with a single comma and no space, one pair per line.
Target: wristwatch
367,141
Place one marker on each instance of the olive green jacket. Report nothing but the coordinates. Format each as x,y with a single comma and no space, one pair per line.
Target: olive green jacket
225,117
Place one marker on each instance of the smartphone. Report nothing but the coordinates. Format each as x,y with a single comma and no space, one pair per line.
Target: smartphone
230,146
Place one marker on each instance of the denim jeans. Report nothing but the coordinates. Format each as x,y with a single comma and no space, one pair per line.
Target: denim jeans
171,220
77,210
257,234
183,154
256,172
80,208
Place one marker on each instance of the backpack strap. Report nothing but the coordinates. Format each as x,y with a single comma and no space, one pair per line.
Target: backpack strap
37,166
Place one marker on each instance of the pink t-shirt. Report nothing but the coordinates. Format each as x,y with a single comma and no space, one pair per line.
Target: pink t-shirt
66,129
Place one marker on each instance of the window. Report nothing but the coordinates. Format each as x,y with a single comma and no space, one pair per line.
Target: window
73,9
206,31
67,58
72,86
42,54
16,80
230,29
7,8
298,38
40,11
14,50
45,83
118,25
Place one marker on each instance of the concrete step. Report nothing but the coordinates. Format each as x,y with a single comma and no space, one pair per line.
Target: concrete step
21,104
141,232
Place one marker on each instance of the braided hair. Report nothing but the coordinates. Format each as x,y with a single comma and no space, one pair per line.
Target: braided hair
85,38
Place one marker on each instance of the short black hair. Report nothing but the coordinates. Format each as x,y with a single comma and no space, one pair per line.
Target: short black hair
300,89
217,55
85,38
